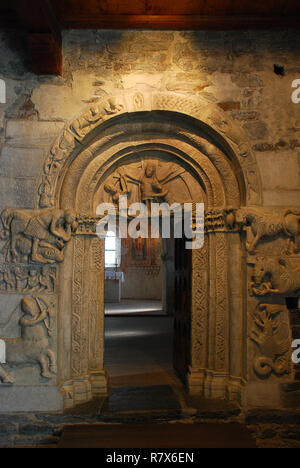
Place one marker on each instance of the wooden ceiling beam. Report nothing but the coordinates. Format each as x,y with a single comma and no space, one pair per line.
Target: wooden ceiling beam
43,35
182,22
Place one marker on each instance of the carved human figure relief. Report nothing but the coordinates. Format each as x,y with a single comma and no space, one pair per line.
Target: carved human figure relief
150,180
266,224
275,275
271,334
37,236
37,325
27,278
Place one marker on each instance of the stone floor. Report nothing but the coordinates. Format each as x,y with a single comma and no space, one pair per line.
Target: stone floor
143,389
138,348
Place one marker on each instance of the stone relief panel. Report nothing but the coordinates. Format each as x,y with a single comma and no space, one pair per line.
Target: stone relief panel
272,244
271,334
32,244
211,116
266,225
35,345
150,180
27,279
36,236
275,275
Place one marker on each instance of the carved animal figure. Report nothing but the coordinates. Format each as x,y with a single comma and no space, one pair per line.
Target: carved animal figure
95,114
33,345
266,224
274,276
39,235
271,334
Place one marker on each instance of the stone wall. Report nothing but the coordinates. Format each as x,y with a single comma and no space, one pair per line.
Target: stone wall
235,70
230,70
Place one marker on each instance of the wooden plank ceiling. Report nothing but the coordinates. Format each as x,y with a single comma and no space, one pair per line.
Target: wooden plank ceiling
43,20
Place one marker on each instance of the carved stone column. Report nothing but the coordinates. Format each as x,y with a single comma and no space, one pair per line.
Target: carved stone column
237,316
96,317
87,322
217,312
219,317
199,319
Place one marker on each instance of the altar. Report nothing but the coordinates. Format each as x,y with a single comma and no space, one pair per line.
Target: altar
113,280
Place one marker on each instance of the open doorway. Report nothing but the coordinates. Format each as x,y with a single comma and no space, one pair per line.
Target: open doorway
133,276
146,334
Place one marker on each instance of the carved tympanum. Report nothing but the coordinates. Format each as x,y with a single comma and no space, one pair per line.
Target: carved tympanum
37,323
265,224
150,181
271,335
275,276
37,236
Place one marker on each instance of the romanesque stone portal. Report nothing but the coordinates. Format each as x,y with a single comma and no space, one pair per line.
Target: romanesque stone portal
149,146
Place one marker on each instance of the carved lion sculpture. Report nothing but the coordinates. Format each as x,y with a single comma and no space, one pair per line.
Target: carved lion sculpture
266,224
37,235
274,276
33,345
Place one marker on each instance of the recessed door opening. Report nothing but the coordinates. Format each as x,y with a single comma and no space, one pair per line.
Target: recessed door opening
143,282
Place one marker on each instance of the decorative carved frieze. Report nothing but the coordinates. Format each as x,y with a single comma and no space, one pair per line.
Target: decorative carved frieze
210,115
97,113
66,143
27,278
200,300
77,299
271,334
37,325
222,302
219,220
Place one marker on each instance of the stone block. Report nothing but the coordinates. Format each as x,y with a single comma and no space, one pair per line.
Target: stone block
279,170
262,394
18,192
281,197
24,133
20,162
29,398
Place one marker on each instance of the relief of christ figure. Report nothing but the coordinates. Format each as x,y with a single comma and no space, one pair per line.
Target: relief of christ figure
151,186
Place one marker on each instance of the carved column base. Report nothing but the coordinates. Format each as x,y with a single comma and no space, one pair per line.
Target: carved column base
98,380
213,384
209,383
235,388
195,381
82,389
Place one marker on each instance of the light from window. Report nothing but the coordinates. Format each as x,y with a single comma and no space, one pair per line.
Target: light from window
110,249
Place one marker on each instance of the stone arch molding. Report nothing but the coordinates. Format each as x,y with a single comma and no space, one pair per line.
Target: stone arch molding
218,151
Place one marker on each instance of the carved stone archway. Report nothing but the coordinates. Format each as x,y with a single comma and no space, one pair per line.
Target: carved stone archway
206,142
